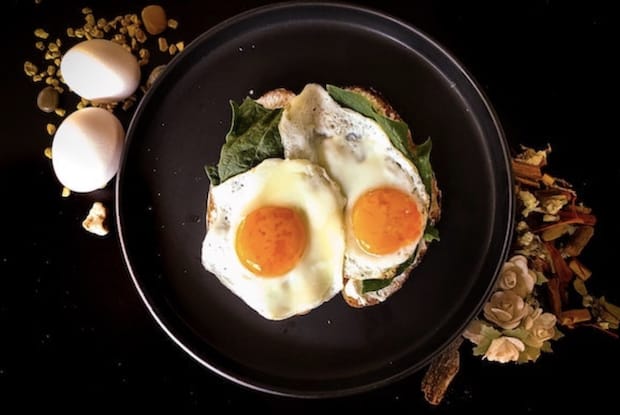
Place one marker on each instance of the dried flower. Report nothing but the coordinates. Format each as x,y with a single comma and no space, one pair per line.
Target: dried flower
540,327
516,277
504,349
474,332
506,309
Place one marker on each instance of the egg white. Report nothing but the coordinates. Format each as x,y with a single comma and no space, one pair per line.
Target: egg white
358,155
317,277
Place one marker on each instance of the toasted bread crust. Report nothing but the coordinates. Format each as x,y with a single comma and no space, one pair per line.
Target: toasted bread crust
276,98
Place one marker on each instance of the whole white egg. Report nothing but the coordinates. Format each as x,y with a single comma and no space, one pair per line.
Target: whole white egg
100,70
87,148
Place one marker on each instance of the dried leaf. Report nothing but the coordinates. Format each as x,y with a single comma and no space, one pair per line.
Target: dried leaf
555,231
555,299
540,278
548,180
578,241
609,318
526,171
529,354
488,333
612,308
571,215
530,156
564,273
527,182
580,287
571,317
579,269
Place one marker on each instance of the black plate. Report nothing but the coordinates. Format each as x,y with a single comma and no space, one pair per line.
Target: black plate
179,127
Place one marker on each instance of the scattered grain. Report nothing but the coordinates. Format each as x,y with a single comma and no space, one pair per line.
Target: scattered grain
163,44
40,33
50,128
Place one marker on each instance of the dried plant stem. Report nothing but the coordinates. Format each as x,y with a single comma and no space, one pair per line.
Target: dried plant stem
441,372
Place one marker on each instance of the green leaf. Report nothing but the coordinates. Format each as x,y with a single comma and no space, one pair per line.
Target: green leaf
404,265
488,334
519,333
529,354
213,174
558,334
431,233
482,348
422,160
397,131
580,286
253,137
375,284
540,278
546,347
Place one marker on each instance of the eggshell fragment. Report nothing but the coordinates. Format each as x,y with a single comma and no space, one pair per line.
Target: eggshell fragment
87,148
100,70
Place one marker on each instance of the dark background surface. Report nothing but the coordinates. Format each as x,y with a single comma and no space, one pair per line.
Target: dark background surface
74,334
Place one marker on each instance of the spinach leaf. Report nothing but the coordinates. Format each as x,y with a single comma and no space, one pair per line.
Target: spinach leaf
375,285
422,160
397,131
253,137
213,174
431,233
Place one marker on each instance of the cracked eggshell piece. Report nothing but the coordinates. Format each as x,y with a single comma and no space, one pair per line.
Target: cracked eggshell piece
87,148
100,70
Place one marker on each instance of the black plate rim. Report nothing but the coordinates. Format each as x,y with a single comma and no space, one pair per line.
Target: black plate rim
508,231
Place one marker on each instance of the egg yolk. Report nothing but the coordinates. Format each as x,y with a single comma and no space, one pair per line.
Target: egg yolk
271,240
386,219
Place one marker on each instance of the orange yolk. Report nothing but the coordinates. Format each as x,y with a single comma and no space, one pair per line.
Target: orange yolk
386,219
271,240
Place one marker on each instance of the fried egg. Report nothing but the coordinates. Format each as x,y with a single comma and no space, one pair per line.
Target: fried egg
275,237
387,205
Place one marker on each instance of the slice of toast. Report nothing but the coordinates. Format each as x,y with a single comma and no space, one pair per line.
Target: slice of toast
352,291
